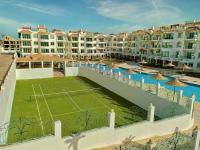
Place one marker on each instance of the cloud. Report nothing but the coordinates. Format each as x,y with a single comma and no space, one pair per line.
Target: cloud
151,12
122,28
9,26
47,9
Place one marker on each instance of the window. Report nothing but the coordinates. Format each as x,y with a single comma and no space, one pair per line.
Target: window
168,36
74,38
52,50
190,46
52,43
179,45
60,37
36,50
74,44
44,44
27,50
180,35
44,50
26,43
60,50
35,35
82,50
60,44
165,54
189,55
82,39
35,43
82,44
74,51
26,36
44,37
51,36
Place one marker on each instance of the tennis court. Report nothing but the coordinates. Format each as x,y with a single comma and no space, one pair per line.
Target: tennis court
77,102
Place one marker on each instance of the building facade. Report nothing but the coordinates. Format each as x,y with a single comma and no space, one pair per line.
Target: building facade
9,45
179,43
41,40
87,45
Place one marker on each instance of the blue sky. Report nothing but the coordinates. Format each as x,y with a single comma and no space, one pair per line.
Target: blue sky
108,16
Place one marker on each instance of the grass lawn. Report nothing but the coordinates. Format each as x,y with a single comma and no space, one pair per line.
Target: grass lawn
77,102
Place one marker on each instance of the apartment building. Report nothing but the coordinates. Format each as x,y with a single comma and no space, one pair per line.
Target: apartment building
9,44
87,45
41,40
179,43
116,45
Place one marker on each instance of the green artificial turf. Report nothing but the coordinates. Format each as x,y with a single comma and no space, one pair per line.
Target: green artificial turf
34,117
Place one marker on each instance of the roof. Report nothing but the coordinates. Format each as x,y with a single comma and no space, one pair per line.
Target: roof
40,57
5,62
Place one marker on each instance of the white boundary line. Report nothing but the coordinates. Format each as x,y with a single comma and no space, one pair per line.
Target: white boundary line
94,108
72,100
41,123
46,103
96,97
58,93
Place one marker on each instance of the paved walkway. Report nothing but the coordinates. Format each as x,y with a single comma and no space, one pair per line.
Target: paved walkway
5,62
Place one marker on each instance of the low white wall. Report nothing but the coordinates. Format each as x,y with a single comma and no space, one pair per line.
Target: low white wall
6,101
71,71
107,136
34,73
164,108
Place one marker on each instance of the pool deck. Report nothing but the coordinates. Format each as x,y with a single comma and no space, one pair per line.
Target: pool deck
186,79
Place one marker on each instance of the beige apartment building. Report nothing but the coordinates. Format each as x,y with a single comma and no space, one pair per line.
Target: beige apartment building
87,45
179,43
41,40
9,44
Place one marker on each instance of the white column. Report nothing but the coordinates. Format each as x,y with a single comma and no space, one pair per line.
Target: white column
111,73
65,64
29,65
192,99
149,145
111,120
180,96
151,112
196,136
42,64
119,76
129,79
58,130
158,89
142,83
104,69
51,64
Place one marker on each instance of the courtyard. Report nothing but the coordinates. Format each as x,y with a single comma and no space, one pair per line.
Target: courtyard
77,102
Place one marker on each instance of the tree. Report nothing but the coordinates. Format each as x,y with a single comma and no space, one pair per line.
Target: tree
22,125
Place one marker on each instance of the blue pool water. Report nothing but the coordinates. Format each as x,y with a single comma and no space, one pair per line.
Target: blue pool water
188,90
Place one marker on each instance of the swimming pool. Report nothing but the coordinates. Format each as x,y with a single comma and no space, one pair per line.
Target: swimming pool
188,90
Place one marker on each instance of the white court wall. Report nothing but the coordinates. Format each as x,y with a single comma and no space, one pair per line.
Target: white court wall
164,108
6,101
34,73
71,71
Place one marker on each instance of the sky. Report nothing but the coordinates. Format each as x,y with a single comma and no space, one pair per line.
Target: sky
107,16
